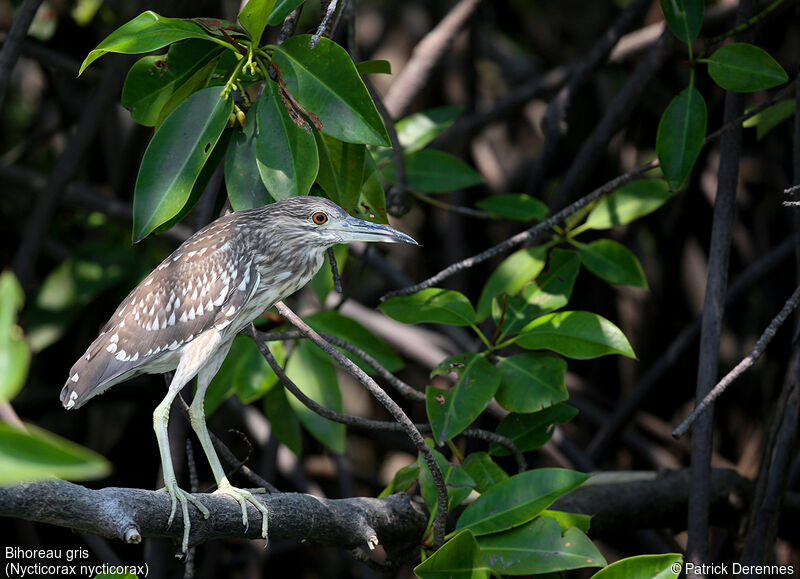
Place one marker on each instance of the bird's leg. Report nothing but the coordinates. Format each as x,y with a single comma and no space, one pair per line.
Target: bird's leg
178,495
198,419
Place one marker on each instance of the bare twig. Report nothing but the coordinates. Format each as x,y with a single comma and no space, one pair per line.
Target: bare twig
323,25
528,234
11,47
337,279
290,24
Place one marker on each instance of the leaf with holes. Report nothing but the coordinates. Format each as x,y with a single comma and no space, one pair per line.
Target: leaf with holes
518,500
628,203
286,153
451,411
431,305
612,262
531,381
579,335
326,83
531,430
680,135
148,31
742,67
175,156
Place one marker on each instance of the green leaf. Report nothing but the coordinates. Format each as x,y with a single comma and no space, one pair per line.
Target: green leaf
15,356
458,483
153,80
484,471
771,117
374,67
531,381
628,203
282,419
742,67
684,17
568,520
326,83
36,454
431,305
372,199
680,135
612,262
531,431
281,10
317,380
146,32
254,16
667,566
403,479
451,411
175,156
511,275
549,292
242,178
538,547
415,131
286,153
341,170
579,335
516,206
431,171
518,500
459,558
346,328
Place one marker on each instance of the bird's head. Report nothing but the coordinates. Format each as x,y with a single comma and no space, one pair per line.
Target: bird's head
321,222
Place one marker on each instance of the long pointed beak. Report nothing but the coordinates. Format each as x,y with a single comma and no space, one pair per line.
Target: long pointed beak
354,229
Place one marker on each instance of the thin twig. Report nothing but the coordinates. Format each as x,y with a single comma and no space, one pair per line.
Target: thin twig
528,234
337,279
480,214
13,43
290,24
323,24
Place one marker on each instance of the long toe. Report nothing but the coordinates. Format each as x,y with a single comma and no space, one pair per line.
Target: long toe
244,496
178,495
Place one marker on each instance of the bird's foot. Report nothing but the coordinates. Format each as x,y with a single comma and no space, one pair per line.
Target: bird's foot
244,496
178,495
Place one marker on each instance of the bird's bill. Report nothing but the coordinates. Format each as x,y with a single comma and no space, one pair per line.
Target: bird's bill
354,229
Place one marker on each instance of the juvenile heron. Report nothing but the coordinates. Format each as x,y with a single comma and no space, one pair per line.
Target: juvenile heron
185,314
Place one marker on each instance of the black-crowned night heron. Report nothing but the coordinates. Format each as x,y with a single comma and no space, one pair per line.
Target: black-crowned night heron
185,314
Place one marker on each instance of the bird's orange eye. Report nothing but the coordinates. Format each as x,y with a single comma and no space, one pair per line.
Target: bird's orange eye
319,218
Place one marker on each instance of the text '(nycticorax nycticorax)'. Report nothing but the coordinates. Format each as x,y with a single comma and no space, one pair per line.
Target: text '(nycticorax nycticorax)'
185,314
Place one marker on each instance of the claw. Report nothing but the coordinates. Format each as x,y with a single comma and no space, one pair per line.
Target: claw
244,496
178,495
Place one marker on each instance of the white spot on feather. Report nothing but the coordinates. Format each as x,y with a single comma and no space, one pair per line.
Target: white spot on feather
171,320
121,356
183,317
111,348
75,377
114,339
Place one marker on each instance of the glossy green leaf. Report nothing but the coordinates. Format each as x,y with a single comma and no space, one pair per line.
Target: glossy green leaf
531,431
579,335
326,83
628,203
341,170
374,67
538,547
415,131
242,178
742,67
484,471
431,305
531,381
317,380
15,354
459,558
680,135
254,16
684,17
667,566
36,454
549,292
451,411
153,80
518,500
569,520
146,32
612,262
372,200
403,480
511,275
770,117
286,153
346,328
457,481
432,171
244,372
281,10
516,206
175,156
282,419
